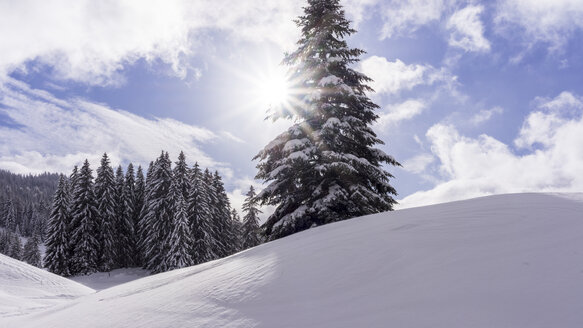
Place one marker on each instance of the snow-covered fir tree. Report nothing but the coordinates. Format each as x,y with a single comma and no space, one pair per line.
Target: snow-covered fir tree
250,228
14,246
129,198
199,217
325,167
105,198
235,224
31,252
57,244
138,207
124,225
85,222
180,240
158,217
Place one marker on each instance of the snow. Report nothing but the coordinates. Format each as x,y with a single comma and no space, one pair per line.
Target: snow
500,261
25,289
104,280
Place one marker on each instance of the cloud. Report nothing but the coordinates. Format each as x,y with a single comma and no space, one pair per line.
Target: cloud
551,22
357,10
399,112
393,77
485,115
418,163
402,17
471,167
52,134
91,42
467,30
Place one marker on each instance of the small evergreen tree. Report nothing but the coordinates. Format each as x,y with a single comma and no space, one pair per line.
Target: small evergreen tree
325,167
235,224
57,244
31,254
129,197
250,228
15,250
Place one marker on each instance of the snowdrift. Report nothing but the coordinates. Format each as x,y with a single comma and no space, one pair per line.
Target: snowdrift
500,261
25,288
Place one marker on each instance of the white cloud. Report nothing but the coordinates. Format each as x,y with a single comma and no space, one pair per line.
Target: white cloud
51,134
357,10
418,163
485,115
407,16
393,77
467,30
549,21
399,112
91,41
480,166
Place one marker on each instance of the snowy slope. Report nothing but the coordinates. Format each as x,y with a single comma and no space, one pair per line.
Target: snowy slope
500,261
25,288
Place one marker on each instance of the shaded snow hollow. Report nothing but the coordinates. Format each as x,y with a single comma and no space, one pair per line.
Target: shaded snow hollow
500,261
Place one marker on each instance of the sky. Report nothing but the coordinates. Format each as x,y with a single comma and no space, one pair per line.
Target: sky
476,97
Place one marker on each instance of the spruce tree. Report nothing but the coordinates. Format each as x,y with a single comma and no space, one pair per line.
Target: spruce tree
158,217
15,247
85,222
140,190
105,196
180,240
131,211
250,228
57,243
235,224
123,222
325,167
199,217
31,253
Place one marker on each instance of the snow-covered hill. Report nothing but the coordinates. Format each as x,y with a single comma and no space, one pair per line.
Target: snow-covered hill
25,288
500,261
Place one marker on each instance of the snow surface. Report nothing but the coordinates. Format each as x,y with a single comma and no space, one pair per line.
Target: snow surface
25,289
104,280
500,261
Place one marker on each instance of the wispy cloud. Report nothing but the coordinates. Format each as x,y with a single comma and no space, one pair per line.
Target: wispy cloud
405,17
550,22
392,77
400,112
467,30
486,114
53,134
91,42
479,166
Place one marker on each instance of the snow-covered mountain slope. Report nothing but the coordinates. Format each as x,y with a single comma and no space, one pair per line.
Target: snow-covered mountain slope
25,288
500,261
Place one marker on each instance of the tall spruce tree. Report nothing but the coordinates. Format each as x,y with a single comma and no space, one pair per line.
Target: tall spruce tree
158,216
140,191
179,243
325,167
130,202
250,229
85,222
199,217
124,224
57,243
105,197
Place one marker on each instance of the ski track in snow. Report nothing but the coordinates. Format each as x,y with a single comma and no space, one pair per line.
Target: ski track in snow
500,261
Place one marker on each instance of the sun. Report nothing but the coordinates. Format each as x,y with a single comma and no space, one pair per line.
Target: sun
273,89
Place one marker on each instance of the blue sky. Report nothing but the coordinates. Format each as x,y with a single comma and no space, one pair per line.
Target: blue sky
477,97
